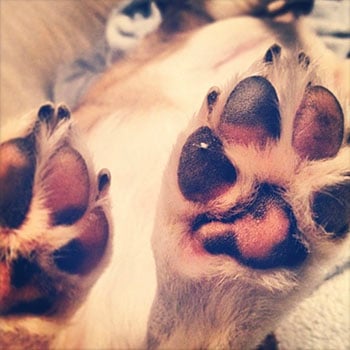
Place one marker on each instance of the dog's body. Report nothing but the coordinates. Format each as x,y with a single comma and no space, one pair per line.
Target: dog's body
131,119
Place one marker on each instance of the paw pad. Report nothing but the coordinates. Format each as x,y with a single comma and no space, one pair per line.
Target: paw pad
17,167
204,170
331,209
251,113
318,125
67,183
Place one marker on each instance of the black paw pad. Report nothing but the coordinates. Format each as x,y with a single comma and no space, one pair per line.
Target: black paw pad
70,257
331,208
67,183
251,113
17,167
63,112
204,171
212,98
104,180
318,128
272,53
46,112
81,255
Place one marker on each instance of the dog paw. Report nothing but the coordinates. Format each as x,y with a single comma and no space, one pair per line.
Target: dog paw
261,177
255,203
54,226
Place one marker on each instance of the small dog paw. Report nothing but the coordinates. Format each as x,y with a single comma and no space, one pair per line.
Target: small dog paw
54,225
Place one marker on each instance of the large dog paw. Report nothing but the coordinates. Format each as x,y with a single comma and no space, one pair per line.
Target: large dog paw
54,226
256,198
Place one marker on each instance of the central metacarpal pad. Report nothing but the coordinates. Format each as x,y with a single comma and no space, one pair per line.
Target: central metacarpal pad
256,236
204,170
251,113
261,234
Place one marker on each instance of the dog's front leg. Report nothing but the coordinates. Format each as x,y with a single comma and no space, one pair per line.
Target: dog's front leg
255,200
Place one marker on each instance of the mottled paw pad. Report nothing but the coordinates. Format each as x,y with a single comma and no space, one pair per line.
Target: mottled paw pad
318,125
53,217
265,167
